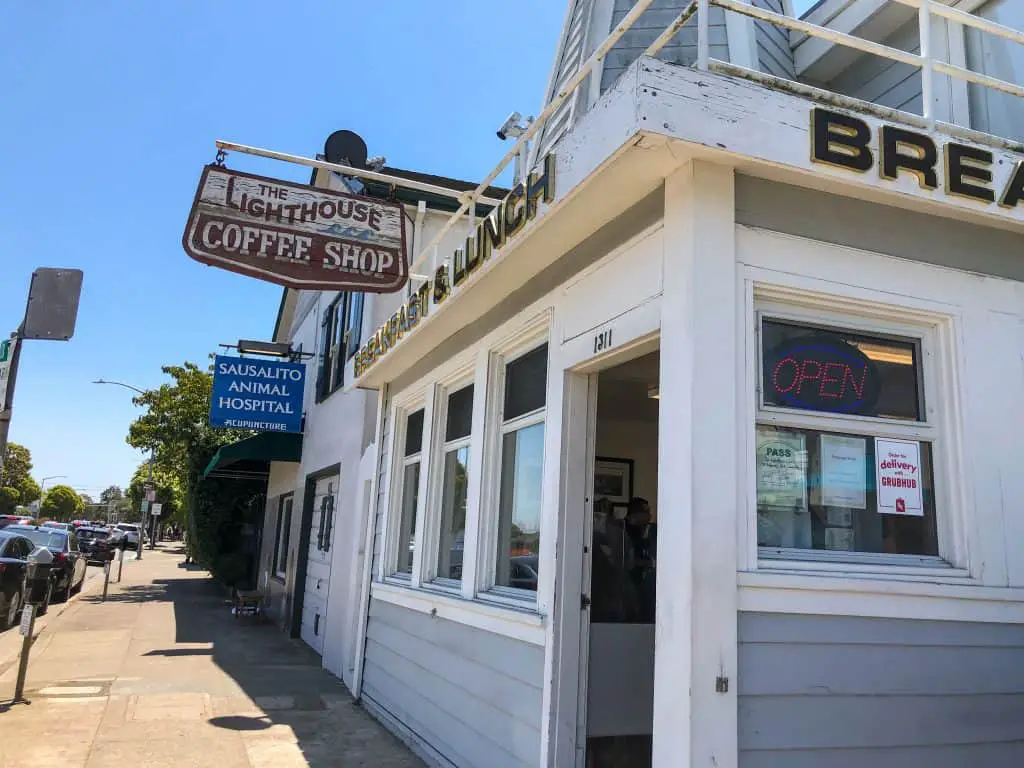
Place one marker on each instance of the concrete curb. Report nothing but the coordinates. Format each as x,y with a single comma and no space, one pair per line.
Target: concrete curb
93,583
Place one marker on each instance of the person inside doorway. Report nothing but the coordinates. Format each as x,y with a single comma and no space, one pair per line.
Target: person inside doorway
641,534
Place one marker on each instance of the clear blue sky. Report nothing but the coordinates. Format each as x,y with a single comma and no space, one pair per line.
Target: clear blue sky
110,111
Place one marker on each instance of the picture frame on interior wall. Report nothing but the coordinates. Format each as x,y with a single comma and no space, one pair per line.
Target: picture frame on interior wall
613,479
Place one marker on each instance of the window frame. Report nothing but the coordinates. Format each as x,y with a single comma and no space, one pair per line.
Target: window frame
438,451
932,427
495,430
282,535
464,601
400,414
341,330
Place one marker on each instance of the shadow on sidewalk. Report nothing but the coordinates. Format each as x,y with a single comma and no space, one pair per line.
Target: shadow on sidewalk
284,677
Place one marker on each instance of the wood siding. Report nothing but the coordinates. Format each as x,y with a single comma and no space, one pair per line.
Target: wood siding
774,53
571,54
472,696
681,49
840,692
882,81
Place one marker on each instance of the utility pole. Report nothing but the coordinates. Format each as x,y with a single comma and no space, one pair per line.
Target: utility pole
152,458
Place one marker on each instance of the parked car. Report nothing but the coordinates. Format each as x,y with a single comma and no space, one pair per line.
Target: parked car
95,544
69,565
58,526
131,535
14,552
523,572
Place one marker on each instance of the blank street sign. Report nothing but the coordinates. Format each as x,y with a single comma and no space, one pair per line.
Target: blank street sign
52,304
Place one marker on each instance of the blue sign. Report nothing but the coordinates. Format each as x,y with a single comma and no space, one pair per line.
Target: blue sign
257,394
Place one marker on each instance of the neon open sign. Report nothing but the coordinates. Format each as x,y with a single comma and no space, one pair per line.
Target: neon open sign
820,372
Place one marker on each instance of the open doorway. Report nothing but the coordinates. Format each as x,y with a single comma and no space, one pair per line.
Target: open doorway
620,566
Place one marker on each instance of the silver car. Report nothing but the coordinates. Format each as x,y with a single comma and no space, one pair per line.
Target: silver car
130,535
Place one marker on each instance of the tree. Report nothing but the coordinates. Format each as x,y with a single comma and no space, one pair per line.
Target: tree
113,493
30,491
175,429
175,422
168,492
17,465
86,499
17,471
61,503
9,500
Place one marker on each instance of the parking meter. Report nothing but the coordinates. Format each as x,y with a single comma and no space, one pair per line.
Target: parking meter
37,577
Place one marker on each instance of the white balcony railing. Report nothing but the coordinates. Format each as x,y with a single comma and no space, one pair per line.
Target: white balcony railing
927,10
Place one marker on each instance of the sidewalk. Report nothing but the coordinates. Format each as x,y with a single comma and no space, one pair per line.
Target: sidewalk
162,675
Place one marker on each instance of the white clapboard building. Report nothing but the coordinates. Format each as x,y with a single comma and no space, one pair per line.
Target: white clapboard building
701,445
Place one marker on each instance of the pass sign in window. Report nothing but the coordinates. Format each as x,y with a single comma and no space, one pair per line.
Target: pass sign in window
257,394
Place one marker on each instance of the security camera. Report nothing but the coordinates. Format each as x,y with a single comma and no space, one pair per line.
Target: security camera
511,127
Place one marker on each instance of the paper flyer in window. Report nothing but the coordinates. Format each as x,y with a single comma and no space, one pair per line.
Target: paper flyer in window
840,539
782,470
843,471
898,477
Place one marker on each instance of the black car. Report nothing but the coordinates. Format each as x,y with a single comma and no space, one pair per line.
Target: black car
69,565
14,552
96,544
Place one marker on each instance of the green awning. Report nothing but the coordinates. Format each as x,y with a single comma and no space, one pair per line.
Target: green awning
250,458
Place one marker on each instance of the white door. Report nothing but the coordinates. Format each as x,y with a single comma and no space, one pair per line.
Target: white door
318,565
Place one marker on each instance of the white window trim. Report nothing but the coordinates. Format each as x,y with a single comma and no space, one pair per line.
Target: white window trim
525,340
936,332
442,597
393,520
505,620
283,527
876,595
429,538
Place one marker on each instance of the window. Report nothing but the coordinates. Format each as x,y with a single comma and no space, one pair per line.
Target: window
323,533
454,483
284,527
844,453
340,333
409,499
522,463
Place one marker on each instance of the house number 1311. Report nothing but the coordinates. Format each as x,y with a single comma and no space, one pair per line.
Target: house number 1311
603,341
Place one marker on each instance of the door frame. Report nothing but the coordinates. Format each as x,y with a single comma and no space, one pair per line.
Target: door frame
305,533
576,521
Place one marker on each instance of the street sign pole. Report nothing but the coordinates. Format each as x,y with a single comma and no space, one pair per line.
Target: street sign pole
7,403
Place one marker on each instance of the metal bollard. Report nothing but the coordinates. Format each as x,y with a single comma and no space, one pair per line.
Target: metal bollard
106,578
28,621
120,564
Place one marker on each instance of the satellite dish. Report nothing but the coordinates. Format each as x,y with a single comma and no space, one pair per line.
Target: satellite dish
345,148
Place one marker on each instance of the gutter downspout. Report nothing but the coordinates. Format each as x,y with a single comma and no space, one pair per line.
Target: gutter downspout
371,520
417,239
